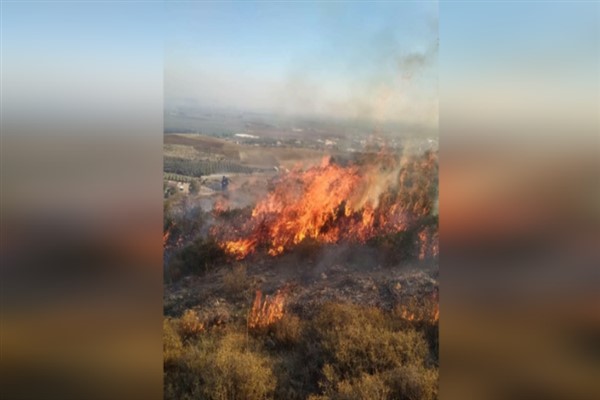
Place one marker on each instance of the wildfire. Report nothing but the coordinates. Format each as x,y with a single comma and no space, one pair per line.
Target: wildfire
409,313
266,312
166,237
425,310
220,206
331,202
428,243
240,248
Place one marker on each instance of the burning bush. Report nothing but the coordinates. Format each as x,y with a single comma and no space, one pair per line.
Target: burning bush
332,203
190,325
265,312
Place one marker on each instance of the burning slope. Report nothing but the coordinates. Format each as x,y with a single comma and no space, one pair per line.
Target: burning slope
332,203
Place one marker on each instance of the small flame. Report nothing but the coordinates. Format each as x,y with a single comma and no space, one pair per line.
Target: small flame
426,310
220,206
166,237
428,244
239,249
266,312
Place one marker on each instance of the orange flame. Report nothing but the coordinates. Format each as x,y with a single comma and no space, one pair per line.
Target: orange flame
266,312
330,203
239,249
166,237
220,206
428,244
429,314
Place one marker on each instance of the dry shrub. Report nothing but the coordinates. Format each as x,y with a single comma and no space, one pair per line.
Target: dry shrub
365,356
190,325
403,383
424,310
413,382
230,370
359,340
234,281
288,330
345,352
372,387
172,345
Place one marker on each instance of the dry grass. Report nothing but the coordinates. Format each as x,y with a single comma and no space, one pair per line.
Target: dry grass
234,281
190,325
346,352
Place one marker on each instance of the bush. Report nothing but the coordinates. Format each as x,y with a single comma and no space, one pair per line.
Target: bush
234,281
190,325
197,257
395,247
172,345
413,382
345,352
372,387
231,370
288,330
357,340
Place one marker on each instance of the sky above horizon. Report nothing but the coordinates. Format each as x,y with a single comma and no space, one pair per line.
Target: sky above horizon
375,61
378,60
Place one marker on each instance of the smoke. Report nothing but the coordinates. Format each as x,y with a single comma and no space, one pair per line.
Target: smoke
412,63
381,77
